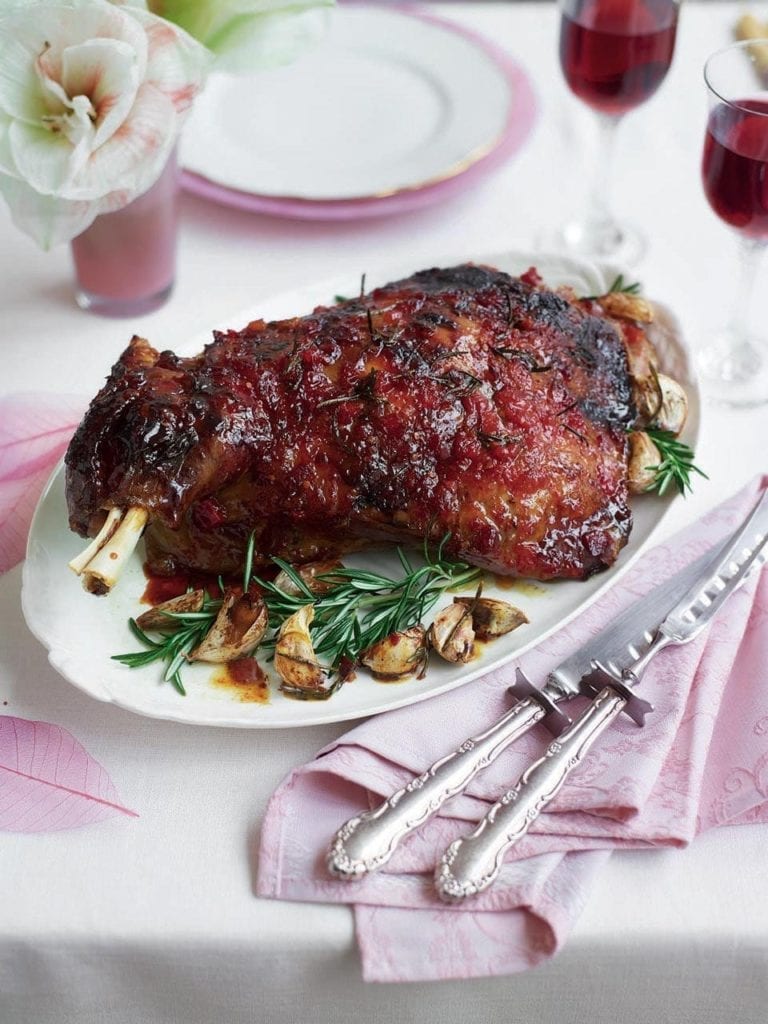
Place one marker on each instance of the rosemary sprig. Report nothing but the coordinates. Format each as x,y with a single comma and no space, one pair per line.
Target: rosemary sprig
172,648
619,285
360,608
676,463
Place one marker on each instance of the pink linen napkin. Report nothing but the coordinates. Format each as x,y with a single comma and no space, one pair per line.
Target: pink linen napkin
700,761
34,432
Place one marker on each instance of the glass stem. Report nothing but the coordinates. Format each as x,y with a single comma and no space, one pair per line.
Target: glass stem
750,250
732,358
600,223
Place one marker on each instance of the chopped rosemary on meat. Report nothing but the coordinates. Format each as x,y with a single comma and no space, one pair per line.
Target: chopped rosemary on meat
525,358
359,608
576,433
458,383
488,439
364,390
371,333
676,463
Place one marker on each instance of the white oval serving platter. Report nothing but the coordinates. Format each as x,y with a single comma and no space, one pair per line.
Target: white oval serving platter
81,631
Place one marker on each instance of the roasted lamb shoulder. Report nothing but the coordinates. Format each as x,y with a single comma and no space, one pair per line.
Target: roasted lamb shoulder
457,401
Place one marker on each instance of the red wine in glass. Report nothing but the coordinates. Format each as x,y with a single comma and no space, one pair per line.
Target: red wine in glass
735,165
733,357
615,53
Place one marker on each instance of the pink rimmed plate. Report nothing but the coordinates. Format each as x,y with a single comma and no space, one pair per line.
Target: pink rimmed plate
395,109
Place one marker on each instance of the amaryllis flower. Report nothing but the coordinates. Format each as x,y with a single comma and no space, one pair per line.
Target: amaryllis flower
248,35
92,97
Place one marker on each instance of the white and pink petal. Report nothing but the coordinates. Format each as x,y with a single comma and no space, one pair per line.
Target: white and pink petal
21,94
41,157
137,152
79,21
177,63
107,71
49,220
56,100
7,163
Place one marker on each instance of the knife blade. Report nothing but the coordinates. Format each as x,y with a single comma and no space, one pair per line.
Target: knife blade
367,841
472,863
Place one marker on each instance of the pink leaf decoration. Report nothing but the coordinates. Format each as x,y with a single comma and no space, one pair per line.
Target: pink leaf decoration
49,781
34,432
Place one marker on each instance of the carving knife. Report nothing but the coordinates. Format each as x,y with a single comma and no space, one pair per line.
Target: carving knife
367,841
471,864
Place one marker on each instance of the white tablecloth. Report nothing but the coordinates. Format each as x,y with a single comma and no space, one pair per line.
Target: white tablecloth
153,920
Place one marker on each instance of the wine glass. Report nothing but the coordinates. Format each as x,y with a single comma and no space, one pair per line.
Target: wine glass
614,55
734,169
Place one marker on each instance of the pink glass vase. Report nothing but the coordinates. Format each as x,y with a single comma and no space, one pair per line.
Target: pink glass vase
125,262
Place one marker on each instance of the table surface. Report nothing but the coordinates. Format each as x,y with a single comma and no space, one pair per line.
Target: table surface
154,919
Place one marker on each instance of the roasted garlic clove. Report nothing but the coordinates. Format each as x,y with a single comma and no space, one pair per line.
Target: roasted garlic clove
627,307
398,655
644,457
295,659
157,618
491,618
238,629
452,634
661,402
647,396
308,574
673,407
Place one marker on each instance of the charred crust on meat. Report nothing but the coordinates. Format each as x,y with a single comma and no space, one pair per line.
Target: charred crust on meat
459,400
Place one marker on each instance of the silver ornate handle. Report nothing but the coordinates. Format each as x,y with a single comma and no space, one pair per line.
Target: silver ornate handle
470,864
368,840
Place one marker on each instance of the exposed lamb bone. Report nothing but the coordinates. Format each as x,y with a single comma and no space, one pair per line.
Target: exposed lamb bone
104,569
79,562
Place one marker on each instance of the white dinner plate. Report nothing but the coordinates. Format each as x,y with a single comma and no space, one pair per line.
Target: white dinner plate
390,100
82,631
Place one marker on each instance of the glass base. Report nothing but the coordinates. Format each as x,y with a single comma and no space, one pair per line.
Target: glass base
734,370
618,242
104,305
